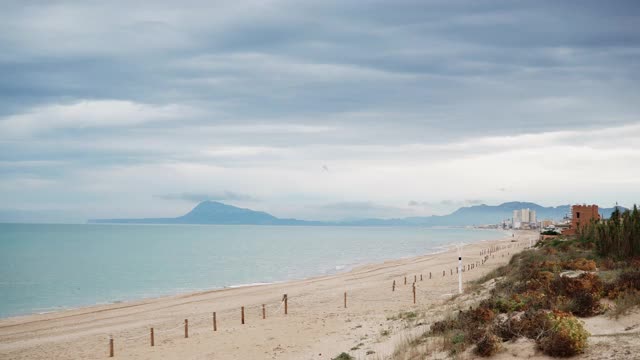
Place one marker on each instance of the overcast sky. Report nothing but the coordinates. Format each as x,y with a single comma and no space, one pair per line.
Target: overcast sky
316,110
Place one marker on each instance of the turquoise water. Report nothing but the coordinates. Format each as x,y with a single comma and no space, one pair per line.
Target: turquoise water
54,267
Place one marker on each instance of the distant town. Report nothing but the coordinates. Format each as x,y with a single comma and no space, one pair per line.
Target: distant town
525,219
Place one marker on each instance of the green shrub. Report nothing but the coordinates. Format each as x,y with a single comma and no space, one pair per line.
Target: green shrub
564,335
343,356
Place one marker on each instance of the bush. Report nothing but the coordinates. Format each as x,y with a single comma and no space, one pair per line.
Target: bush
625,302
530,324
564,335
585,304
571,286
442,326
343,356
629,280
579,264
488,345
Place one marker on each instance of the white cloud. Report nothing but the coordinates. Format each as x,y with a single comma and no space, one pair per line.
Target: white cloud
88,114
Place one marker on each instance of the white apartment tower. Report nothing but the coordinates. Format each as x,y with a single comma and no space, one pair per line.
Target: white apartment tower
523,216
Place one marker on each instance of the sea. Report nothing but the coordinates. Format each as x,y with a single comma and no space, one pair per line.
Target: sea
54,267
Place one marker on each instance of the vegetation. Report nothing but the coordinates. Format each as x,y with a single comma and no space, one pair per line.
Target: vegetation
618,237
564,335
343,356
542,293
532,299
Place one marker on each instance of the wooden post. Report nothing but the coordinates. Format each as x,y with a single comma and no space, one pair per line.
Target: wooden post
451,271
111,346
405,280
457,270
285,304
414,293
152,340
415,278
443,273
429,274
242,315
186,328
264,313
420,277
345,299
215,324
393,288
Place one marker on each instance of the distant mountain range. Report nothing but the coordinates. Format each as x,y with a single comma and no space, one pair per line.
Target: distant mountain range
212,212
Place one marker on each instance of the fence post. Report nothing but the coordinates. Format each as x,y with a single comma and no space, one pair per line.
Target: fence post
405,280
414,293
111,346
152,340
393,288
420,277
186,328
415,278
345,299
443,273
285,304
242,314
264,314
215,325
429,274
451,271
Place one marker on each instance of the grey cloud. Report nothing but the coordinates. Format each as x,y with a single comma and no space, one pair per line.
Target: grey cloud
198,197
445,203
380,73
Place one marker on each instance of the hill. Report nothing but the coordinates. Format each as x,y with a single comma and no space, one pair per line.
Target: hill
212,212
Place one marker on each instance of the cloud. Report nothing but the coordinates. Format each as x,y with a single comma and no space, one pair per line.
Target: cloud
448,203
88,114
198,197
403,100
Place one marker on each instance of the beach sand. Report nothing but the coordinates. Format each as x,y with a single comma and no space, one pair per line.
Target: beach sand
317,325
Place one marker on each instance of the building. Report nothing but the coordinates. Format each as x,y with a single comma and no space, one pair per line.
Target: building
581,215
546,223
523,218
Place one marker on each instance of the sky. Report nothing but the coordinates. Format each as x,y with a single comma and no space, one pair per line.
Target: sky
316,109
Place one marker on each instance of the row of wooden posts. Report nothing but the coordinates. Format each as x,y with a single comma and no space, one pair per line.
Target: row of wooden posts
285,299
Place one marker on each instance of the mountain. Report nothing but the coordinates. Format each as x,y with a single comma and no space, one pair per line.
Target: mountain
212,212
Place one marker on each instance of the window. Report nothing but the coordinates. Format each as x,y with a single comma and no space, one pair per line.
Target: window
578,215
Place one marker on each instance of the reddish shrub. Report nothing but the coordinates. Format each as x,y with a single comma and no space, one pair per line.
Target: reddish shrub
586,282
579,264
488,345
585,304
629,280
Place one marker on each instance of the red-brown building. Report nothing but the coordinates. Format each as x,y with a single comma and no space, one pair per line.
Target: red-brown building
581,215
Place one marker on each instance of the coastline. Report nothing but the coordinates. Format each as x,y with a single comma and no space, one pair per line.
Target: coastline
329,270
85,328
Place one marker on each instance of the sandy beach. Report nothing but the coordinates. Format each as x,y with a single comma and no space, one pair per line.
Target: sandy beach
317,325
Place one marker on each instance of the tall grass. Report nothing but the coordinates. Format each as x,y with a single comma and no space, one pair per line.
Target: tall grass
618,237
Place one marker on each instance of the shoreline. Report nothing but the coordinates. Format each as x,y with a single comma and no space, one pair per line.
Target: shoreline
326,273
315,321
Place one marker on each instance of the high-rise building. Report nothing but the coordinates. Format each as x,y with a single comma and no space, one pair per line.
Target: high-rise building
523,218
